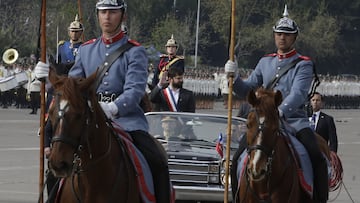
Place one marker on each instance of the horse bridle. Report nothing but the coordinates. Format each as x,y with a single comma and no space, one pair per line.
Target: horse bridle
268,151
76,143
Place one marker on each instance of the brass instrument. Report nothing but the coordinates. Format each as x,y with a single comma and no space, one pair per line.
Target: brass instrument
10,56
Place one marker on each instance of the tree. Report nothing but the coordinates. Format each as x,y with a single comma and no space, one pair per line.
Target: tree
329,30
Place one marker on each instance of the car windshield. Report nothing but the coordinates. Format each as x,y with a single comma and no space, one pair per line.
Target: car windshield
194,129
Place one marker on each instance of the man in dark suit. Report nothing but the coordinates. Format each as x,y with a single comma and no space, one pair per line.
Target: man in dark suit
323,124
169,94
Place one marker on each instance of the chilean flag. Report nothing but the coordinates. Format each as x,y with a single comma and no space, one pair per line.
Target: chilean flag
219,145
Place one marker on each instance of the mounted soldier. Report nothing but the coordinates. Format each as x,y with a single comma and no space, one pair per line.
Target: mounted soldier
168,60
68,49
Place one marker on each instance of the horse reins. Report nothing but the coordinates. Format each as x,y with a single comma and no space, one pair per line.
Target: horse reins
77,163
269,152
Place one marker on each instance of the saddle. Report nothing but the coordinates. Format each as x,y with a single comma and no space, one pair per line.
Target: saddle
142,169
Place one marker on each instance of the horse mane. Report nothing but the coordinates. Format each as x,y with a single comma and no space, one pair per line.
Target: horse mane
72,92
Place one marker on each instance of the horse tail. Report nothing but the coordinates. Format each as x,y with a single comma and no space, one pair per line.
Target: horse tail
336,172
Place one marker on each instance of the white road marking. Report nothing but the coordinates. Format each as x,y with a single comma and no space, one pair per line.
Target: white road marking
20,149
18,192
18,168
19,121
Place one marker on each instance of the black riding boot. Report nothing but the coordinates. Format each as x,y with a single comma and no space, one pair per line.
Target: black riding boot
234,165
321,183
157,162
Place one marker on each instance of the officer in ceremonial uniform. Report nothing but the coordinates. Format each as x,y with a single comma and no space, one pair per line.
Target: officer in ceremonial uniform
68,49
294,86
168,60
122,86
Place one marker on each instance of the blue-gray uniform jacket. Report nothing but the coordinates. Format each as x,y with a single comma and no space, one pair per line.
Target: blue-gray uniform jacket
294,85
126,77
68,51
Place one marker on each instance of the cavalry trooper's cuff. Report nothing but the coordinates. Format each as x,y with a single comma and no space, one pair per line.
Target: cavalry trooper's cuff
113,108
281,113
236,77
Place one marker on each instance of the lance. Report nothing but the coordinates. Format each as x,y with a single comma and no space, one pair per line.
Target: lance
42,93
231,79
80,17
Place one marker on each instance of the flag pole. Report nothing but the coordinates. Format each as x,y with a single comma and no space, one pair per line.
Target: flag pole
231,79
42,94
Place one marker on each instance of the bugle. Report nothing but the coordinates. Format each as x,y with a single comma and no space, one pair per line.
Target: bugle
10,56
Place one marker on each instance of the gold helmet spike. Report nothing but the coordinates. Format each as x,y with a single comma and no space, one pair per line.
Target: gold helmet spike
76,25
171,42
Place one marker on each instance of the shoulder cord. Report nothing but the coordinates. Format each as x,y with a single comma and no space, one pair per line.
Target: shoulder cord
109,61
282,72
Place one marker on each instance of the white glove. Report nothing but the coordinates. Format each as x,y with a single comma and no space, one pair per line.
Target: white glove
231,68
41,70
110,109
281,113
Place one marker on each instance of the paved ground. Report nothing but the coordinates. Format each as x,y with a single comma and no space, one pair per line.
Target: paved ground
19,154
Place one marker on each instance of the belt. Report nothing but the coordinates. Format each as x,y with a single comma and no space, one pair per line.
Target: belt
102,97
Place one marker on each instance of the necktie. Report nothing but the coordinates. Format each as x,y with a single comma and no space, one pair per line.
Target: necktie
313,120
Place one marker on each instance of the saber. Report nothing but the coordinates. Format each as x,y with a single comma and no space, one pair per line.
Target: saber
57,44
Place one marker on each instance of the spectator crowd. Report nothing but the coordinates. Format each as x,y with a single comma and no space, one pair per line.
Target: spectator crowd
209,84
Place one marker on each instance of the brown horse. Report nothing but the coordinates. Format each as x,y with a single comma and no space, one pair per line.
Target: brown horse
271,172
85,150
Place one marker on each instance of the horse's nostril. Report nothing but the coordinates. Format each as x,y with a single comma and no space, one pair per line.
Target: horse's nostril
262,172
64,166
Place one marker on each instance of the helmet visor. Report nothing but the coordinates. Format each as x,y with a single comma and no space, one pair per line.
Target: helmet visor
285,25
110,4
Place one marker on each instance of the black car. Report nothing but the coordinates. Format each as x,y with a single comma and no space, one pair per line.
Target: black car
196,148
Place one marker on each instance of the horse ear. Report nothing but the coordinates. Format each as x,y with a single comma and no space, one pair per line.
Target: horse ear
53,77
278,98
88,83
51,59
251,98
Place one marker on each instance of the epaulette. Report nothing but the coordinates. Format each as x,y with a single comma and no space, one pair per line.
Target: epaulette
271,55
305,58
131,41
180,57
61,42
89,42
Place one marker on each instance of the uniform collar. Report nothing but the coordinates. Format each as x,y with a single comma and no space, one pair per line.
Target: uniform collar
75,42
286,55
115,38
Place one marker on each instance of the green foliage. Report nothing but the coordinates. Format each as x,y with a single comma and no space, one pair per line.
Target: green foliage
329,29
